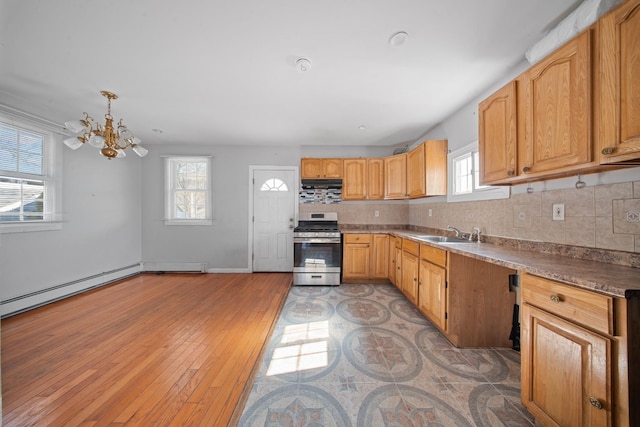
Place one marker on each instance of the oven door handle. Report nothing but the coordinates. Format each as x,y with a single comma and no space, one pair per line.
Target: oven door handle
316,240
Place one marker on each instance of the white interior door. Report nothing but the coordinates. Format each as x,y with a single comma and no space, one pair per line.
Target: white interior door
274,203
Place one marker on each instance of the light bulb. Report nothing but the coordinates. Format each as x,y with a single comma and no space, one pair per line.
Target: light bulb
140,150
73,143
96,141
74,126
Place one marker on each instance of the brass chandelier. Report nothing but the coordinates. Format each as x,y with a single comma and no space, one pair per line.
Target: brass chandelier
111,142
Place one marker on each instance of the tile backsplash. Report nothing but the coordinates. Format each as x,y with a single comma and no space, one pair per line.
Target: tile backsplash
602,216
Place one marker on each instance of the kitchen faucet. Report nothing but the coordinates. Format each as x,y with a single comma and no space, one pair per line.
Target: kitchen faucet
455,230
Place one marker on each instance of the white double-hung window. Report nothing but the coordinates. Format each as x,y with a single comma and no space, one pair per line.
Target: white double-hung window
464,177
188,190
27,179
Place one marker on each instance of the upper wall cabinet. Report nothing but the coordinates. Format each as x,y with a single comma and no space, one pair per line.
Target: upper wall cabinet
619,96
556,95
395,176
320,168
427,169
497,138
375,182
540,124
354,185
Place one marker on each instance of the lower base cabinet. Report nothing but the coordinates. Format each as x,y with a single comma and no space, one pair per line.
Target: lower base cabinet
580,355
365,257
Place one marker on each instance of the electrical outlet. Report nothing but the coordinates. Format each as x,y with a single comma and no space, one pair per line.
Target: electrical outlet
430,212
558,212
376,214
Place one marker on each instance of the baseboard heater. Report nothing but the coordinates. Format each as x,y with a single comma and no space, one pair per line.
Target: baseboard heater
22,303
174,267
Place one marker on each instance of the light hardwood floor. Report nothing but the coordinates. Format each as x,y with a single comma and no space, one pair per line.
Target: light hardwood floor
152,350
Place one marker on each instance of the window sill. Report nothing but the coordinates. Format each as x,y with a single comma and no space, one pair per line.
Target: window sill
27,228
188,222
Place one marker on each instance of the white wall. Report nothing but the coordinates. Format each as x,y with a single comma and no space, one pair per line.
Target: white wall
223,246
100,232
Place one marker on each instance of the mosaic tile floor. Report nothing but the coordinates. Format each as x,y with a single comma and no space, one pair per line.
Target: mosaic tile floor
362,355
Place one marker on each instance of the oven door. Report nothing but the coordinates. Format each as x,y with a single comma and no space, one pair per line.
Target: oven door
316,261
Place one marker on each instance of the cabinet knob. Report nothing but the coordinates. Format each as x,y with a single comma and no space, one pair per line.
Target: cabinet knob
526,169
415,280
511,172
554,298
595,402
608,150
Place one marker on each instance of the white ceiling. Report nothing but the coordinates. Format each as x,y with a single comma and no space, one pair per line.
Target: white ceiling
223,72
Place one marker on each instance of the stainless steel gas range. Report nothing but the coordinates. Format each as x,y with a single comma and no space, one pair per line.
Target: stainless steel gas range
317,250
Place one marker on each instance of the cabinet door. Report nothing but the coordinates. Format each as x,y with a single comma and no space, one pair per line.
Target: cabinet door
354,184
380,256
392,259
356,260
332,168
416,182
497,135
557,117
395,177
398,281
435,167
432,292
619,137
375,184
565,371
410,276
311,168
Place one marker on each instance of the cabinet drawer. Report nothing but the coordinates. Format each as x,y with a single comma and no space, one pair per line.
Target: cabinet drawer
411,247
433,255
592,310
357,238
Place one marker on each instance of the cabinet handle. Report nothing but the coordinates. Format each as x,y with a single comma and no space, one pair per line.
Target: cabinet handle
511,172
554,298
608,150
595,402
526,169
415,280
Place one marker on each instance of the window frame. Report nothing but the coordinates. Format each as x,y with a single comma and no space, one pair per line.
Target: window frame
169,209
478,192
51,171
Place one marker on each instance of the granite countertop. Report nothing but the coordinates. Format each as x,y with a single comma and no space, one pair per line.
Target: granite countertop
610,279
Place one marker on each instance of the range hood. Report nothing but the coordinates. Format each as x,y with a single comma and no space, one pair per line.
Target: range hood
321,183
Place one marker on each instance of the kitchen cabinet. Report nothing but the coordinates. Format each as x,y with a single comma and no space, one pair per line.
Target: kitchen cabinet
380,256
580,355
320,168
566,354
540,124
375,181
398,255
395,176
427,169
392,260
354,183
497,135
619,85
432,285
365,257
356,256
363,179
410,268
557,97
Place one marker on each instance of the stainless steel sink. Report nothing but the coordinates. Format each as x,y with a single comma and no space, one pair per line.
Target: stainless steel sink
444,239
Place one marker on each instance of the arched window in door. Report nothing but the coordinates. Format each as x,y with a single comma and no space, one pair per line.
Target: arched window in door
274,184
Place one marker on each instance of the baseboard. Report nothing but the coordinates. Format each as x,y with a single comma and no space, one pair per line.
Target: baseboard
175,267
19,304
229,270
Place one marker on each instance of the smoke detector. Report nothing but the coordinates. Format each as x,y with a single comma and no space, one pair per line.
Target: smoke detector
303,65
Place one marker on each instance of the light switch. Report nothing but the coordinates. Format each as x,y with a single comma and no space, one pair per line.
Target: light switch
558,212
